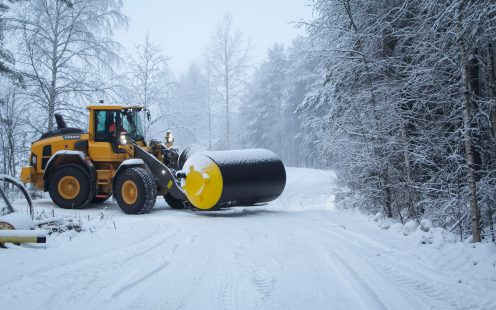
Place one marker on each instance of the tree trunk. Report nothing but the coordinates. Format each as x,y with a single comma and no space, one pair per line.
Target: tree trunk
492,114
10,137
410,191
491,223
227,109
387,195
52,92
5,154
470,159
387,202
468,131
209,103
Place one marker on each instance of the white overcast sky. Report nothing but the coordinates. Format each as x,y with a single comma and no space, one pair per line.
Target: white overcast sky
183,28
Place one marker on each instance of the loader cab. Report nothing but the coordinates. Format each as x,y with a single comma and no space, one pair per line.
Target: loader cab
132,124
107,124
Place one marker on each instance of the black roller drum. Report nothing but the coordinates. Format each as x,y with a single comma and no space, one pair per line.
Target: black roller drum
239,177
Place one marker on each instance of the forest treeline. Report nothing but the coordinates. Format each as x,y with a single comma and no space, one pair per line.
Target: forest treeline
397,96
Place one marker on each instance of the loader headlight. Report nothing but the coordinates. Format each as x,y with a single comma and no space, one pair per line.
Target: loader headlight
123,140
33,160
169,138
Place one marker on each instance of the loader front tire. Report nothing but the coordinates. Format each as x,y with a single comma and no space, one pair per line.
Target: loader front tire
135,191
174,203
71,187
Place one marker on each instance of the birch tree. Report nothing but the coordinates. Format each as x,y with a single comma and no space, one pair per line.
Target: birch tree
13,132
227,62
7,59
148,81
405,107
191,103
62,51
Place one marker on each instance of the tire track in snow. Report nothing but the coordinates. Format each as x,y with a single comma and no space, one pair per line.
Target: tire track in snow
50,268
373,297
139,280
172,287
289,258
256,266
228,295
106,276
354,267
229,290
144,270
339,268
146,276
407,279
358,243
72,282
409,282
244,284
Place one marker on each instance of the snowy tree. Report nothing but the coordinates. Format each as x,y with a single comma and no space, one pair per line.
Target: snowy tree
264,101
6,58
63,49
191,105
405,106
269,109
13,137
227,65
299,146
148,82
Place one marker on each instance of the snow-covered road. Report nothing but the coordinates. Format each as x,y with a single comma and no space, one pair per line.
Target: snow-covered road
295,253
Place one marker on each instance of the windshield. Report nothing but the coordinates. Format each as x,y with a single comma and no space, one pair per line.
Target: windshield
132,124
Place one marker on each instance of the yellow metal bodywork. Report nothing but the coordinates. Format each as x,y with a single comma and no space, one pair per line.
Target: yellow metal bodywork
102,154
203,184
93,108
34,174
28,174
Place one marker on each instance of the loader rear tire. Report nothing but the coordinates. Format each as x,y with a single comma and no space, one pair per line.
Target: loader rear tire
71,187
174,203
135,191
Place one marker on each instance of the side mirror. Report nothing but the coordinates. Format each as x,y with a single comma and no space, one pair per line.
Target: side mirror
148,115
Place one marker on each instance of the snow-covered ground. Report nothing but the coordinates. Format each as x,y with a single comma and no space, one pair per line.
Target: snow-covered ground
298,252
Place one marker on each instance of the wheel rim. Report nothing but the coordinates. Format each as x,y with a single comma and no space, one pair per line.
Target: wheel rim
69,187
129,192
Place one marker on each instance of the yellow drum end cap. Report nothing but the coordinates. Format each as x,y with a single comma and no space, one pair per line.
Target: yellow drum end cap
203,185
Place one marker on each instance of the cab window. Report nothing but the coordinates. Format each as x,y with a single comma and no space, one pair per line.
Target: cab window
105,125
132,124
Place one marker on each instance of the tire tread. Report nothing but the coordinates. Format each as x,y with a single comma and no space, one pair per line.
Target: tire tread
149,188
90,184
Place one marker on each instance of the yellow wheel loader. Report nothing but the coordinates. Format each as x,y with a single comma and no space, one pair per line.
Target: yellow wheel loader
79,167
